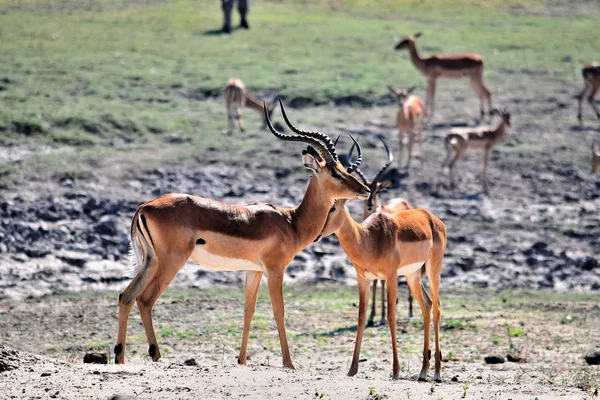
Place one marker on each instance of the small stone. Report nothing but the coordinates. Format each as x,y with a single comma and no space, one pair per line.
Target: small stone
494,359
516,358
190,362
593,358
95,358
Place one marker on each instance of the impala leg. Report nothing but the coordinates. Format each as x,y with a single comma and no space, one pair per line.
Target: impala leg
363,304
392,291
370,321
416,288
275,281
147,298
229,120
420,130
383,321
401,147
430,96
591,100
485,165
411,140
483,93
127,299
434,270
451,167
580,101
410,306
448,148
240,115
252,285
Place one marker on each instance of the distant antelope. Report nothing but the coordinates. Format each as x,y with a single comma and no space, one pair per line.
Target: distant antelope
461,140
591,78
237,97
595,158
448,66
410,116
371,205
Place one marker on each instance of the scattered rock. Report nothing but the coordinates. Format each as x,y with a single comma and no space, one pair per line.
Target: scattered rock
494,359
95,358
516,358
593,358
190,362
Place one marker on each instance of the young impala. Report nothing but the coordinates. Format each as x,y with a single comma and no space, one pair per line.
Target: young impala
595,158
387,245
371,205
591,79
461,140
410,116
448,66
236,98
256,238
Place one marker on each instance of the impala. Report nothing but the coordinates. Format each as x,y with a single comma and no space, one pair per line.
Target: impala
371,205
384,246
257,238
236,98
410,116
595,158
591,79
461,140
448,66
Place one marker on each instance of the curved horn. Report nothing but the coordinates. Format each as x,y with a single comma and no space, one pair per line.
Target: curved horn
354,166
297,138
387,164
317,135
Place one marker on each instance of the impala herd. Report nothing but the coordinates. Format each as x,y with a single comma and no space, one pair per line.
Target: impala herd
262,239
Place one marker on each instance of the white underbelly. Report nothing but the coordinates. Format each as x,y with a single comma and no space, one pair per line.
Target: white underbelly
202,257
410,268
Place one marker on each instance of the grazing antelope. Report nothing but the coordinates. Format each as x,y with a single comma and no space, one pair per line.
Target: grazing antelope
461,140
372,205
256,238
448,66
384,246
410,116
595,158
236,98
591,78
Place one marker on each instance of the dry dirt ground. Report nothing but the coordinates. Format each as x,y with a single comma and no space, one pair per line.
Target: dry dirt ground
552,332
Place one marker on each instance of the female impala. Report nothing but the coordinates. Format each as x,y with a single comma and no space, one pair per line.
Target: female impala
448,66
591,78
236,98
410,116
383,247
461,140
372,205
257,238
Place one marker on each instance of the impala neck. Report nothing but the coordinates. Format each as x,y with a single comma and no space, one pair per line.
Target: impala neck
255,104
350,237
500,131
416,58
310,215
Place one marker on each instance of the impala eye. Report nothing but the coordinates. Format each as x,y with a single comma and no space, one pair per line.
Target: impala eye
333,209
336,175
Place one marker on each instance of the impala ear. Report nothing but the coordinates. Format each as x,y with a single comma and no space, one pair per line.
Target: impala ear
394,91
410,90
417,34
495,111
311,159
387,184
